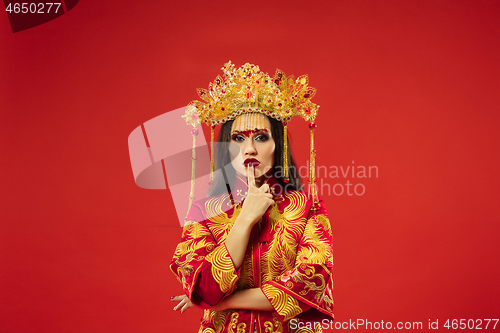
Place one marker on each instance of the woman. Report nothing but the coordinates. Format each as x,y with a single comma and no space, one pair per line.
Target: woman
259,255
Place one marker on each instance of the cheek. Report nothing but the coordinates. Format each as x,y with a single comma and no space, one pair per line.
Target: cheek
270,153
234,150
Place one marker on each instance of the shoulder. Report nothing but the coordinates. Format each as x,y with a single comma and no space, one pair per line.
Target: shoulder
299,200
296,198
208,207
293,204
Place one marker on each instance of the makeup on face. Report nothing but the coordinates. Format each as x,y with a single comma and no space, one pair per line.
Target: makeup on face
258,153
247,133
255,134
251,162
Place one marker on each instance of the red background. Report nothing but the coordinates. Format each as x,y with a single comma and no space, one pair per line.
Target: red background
408,86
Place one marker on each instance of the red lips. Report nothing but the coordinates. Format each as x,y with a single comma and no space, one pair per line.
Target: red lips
251,162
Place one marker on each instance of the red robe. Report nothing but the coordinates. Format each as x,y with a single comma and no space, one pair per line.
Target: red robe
289,256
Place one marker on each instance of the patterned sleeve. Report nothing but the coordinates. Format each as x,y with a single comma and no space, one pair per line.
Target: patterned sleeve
309,284
204,268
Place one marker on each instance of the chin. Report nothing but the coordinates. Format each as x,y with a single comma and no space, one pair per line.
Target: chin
259,172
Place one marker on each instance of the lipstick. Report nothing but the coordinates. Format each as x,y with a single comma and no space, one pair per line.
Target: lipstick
251,161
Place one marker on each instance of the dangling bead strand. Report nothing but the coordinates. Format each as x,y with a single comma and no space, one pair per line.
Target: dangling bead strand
211,179
285,153
313,190
194,133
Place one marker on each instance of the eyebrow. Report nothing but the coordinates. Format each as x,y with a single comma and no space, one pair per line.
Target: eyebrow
247,132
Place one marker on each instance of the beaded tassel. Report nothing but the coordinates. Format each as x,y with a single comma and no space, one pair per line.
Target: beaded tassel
211,181
312,168
285,153
194,132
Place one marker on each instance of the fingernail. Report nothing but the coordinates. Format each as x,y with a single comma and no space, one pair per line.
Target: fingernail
172,297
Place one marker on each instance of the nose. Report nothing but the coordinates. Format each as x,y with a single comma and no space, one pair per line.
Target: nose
249,148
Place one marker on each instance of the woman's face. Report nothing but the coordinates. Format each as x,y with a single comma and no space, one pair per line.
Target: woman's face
252,146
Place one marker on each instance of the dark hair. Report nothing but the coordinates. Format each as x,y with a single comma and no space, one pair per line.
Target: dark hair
222,159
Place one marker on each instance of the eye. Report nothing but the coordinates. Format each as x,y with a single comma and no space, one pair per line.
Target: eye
238,137
262,137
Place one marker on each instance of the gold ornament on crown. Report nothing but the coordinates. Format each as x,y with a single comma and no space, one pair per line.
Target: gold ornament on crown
247,89
250,122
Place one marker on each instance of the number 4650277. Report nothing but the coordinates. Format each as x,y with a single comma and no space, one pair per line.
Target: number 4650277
470,324
33,8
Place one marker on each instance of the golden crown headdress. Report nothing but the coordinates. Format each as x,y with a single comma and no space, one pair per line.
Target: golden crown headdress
249,90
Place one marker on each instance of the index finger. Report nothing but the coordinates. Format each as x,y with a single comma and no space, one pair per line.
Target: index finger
178,298
250,175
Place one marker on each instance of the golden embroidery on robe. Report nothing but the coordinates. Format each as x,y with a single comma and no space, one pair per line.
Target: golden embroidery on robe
274,326
285,305
289,257
222,268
